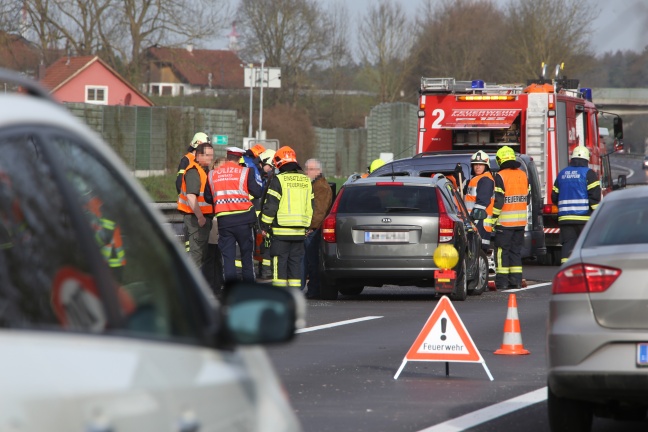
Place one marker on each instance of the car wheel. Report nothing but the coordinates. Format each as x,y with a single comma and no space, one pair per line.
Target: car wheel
356,290
328,290
461,287
479,284
568,415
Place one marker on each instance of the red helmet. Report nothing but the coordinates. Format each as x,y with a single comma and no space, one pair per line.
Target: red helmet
283,156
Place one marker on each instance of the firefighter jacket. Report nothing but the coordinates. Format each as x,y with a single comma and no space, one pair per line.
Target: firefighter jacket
182,166
480,196
107,234
577,192
511,196
288,207
233,186
323,197
203,201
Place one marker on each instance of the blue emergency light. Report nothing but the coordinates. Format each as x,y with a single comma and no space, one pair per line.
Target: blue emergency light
477,84
587,93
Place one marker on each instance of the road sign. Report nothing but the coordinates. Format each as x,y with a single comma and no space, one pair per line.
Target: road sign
444,338
271,77
219,139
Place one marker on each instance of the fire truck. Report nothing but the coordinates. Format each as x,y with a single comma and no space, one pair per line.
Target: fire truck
544,119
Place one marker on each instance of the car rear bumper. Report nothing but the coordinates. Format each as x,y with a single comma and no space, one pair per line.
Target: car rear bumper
385,270
601,386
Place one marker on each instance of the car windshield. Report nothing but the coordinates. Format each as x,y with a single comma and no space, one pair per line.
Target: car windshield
388,199
623,222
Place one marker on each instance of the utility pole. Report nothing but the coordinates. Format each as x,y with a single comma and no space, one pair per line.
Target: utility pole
261,101
251,88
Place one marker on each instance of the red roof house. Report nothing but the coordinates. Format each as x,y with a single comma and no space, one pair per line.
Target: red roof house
18,54
178,71
89,79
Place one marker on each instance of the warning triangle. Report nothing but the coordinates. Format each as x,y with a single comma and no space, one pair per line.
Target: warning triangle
444,338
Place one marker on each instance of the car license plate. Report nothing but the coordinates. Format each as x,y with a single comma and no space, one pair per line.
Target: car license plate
642,354
386,236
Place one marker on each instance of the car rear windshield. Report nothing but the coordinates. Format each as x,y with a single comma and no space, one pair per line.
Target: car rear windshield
389,199
620,223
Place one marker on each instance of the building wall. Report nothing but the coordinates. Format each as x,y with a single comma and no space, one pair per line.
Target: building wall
98,75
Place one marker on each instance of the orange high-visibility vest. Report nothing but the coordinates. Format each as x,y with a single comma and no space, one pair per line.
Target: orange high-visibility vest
471,198
183,202
111,246
516,189
229,187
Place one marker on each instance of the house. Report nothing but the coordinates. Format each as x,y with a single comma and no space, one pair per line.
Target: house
18,54
183,71
90,80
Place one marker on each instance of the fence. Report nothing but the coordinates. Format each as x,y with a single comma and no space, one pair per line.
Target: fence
151,140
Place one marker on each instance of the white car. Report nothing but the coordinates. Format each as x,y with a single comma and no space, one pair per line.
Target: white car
105,325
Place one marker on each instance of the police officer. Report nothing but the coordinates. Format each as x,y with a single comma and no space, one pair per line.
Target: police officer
479,196
196,204
577,192
509,218
198,138
232,186
287,212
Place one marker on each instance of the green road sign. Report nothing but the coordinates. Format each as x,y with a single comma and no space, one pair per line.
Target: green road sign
219,139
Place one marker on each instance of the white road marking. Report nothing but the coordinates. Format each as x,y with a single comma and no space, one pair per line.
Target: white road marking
335,324
540,285
484,415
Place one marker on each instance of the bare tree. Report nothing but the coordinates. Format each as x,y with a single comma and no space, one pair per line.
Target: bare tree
551,31
384,42
290,34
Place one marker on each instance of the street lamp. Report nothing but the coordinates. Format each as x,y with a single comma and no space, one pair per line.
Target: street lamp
261,100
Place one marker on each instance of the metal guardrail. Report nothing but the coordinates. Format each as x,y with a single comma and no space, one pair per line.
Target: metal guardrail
170,211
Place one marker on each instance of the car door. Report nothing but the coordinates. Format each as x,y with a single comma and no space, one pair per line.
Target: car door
102,331
471,239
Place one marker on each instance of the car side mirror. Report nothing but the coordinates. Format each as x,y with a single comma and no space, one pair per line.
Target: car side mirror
621,182
261,314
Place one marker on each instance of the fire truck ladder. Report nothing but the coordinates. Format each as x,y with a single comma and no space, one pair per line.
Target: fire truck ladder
536,134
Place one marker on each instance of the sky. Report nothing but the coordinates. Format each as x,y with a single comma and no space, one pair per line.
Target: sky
620,26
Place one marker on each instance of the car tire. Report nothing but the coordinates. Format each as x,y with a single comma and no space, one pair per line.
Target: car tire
478,285
461,287
568,415
351,291
328,290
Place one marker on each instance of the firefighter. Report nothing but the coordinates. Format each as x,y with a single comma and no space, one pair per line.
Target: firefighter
509,218
233,185
268,172
479,196
198,138
375,164
577,192
196,204
287,213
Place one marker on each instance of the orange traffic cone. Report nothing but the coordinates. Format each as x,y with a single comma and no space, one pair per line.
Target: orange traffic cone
512,343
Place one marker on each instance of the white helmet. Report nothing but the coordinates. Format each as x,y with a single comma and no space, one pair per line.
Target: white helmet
267,157
480,158
199,138
580,152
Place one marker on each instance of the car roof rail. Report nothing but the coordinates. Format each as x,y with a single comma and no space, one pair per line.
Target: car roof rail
28,85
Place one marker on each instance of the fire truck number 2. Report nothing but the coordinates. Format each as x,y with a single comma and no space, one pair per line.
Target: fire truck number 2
440,115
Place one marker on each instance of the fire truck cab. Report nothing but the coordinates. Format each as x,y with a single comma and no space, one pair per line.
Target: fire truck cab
544,119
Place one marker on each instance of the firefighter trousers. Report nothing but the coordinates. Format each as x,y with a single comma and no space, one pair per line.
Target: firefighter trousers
485,236
568,235
508,257
287,262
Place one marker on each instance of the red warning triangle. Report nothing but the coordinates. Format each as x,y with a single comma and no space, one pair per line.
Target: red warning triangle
444,338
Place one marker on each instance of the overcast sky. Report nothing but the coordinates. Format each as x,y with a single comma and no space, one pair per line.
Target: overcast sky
621,24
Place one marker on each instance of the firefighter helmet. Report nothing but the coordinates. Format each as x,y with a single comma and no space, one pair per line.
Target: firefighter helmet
377,163
580,152
480,158
283,156
266,157
257,150
199,138
504,154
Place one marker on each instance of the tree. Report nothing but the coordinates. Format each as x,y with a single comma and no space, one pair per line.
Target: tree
290,34
384,41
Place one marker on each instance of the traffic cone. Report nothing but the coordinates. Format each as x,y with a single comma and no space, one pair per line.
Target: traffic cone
512,343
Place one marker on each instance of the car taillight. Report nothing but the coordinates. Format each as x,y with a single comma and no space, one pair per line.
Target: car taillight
328,225
446,224
584,278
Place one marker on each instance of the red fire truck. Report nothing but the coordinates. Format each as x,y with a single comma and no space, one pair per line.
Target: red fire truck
545,119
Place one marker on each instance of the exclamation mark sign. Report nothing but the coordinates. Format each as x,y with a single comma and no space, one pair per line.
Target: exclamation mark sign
444,322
